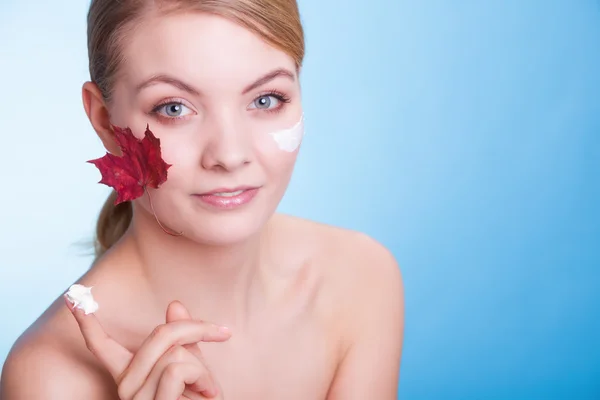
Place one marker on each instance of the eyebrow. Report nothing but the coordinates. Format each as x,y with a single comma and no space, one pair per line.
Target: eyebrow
170,80
268,77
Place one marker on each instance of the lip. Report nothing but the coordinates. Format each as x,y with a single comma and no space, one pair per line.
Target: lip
225,203
228,190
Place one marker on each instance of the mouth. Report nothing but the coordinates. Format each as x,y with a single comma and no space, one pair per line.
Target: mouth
227,198
228,192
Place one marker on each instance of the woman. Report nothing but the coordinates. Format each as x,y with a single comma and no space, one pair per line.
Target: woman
203,290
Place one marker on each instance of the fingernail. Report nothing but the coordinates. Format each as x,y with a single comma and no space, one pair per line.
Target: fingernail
68,303
71,306
224,329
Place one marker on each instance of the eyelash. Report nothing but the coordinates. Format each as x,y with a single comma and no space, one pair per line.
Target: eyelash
154,112
281,97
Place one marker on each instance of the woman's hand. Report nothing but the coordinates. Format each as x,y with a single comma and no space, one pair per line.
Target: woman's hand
167,366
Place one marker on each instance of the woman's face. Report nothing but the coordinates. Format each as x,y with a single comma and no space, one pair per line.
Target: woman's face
212,92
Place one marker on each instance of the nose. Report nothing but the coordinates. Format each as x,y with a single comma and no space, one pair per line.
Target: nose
228,145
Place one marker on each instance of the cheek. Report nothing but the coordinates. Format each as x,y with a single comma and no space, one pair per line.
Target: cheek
281,144
278,151
180,151
184,160
277,164
123,113
127,113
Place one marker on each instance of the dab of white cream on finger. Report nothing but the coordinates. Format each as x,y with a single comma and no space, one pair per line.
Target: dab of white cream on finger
81,297
289,139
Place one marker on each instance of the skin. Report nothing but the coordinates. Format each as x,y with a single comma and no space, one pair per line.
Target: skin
312,311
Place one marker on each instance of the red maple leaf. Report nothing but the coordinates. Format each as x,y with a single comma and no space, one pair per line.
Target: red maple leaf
139,167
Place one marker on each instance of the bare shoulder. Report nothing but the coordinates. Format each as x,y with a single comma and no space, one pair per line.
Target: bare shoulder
350,259
355,270
362,272
362,294
48,362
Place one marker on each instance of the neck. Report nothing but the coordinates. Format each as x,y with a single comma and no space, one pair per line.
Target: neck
220,280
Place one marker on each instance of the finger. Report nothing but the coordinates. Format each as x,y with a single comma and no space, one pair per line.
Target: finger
176,311
109,352
189,394
175,355
160,340
177,375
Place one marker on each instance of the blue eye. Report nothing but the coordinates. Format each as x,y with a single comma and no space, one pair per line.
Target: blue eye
271,101
172,110
265,102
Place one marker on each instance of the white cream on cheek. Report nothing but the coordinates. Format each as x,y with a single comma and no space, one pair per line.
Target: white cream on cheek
81,297
289,139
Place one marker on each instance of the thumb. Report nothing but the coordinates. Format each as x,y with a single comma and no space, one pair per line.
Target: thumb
176,311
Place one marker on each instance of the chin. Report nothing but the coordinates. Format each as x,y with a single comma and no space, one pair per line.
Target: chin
225,228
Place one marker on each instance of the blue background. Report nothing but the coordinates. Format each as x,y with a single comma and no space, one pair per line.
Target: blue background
463,135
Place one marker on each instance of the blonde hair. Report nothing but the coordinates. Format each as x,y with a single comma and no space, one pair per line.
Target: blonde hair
109,21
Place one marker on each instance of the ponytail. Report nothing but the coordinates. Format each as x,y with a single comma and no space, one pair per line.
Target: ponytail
112,223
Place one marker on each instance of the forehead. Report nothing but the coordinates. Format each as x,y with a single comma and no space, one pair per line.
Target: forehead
200,47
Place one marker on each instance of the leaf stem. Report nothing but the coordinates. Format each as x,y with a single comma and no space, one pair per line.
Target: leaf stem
154,212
